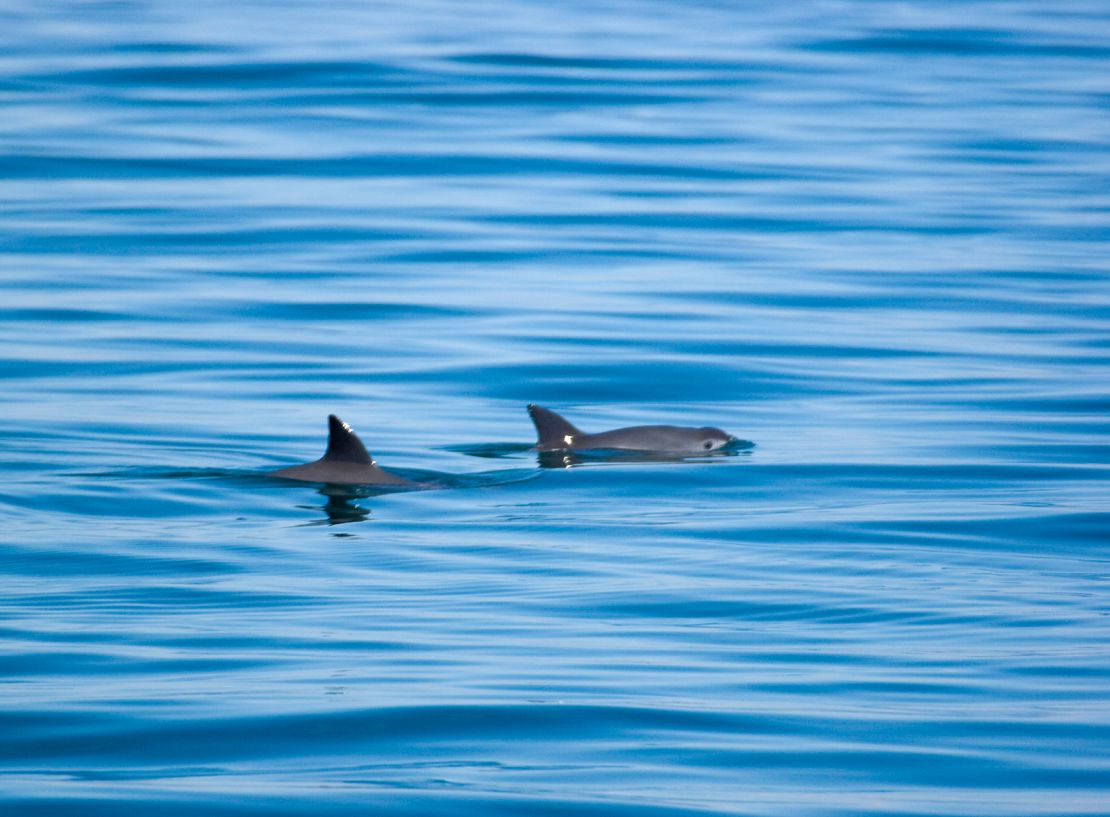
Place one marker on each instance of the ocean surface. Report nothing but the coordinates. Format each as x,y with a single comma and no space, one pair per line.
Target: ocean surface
871,240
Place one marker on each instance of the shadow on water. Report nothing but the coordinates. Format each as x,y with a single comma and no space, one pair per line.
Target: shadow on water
344,504
567,459
599,456
341,506
491,451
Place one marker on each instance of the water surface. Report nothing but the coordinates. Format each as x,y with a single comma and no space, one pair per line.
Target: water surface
869,238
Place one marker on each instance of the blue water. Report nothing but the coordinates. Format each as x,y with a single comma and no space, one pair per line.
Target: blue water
871,238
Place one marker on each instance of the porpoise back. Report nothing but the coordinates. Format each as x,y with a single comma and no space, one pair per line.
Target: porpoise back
346,462
556,433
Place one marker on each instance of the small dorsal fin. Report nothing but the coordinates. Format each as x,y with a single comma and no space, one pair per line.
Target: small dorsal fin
344,445
555,432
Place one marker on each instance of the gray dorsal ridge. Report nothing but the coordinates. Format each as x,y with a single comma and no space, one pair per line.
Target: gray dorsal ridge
344,445
554,430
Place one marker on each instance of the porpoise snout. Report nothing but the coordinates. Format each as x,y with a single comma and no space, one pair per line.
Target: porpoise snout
714,438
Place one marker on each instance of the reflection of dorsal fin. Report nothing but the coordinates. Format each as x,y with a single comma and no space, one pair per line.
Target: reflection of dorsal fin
343,444
554,431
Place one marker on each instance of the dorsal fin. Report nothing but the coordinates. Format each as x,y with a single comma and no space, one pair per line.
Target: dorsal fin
344,445
554,431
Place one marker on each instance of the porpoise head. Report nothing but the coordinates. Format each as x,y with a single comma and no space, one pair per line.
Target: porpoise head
711,438
682,440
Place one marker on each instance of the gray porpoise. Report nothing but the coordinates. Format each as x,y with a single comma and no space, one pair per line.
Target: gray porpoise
346,462
557,434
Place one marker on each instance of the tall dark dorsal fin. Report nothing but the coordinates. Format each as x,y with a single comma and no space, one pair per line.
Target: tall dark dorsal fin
343,444
555,432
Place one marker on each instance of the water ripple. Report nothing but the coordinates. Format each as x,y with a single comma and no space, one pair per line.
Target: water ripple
869,241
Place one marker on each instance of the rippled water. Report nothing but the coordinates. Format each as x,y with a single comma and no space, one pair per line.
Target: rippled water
871,238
